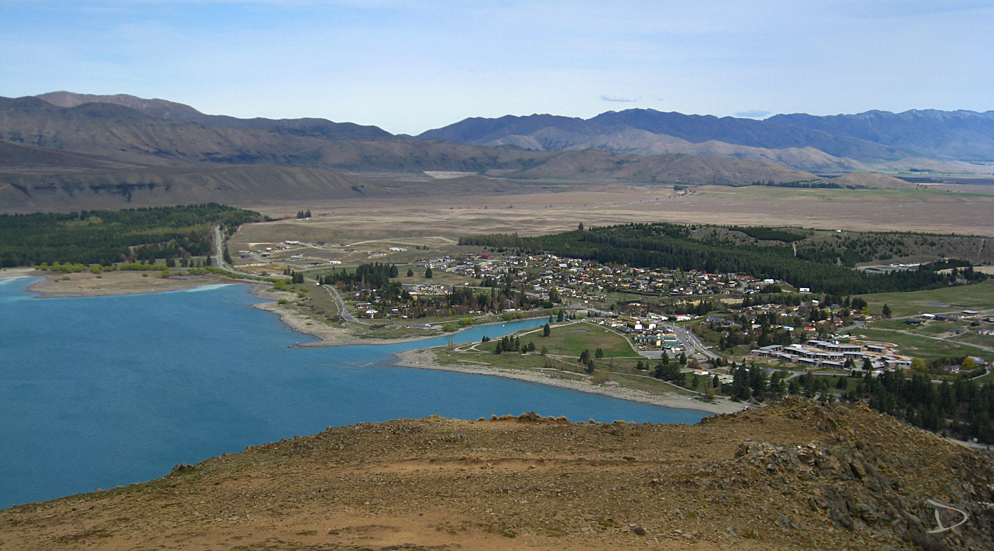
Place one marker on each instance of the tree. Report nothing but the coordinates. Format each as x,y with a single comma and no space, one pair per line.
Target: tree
598,353
546,330
410,272
579,226
428,273
886,311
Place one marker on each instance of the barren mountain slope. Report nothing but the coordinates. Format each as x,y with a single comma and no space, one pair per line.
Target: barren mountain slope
675,169
156,186
871,180
797,475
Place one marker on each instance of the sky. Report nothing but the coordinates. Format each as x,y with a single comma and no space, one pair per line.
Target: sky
409,66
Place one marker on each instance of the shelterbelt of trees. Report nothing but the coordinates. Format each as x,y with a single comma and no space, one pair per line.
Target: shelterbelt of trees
670,246
106,237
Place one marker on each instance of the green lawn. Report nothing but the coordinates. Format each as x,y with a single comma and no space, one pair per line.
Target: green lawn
938,327
921,347
568,341
976,338
979,296
572,339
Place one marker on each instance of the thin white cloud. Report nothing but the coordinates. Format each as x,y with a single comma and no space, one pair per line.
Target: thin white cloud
752,114
620,100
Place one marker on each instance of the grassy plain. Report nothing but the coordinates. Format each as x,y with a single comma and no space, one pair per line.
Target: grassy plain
556,207
919,346
564,345
979,296
572,339
976,338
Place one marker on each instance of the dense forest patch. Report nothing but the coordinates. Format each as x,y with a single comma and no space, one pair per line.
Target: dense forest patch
106,237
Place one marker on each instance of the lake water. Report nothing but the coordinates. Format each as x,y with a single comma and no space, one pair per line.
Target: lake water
104,391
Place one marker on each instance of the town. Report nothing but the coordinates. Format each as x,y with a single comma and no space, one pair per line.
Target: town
711,318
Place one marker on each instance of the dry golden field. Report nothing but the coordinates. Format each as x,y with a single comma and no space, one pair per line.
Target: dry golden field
534,210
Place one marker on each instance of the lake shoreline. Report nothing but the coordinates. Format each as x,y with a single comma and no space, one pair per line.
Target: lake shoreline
423,358
128,283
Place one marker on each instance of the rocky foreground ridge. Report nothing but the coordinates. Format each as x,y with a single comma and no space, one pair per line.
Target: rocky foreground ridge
796,475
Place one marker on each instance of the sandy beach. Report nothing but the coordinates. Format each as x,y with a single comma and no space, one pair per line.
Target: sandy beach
425,359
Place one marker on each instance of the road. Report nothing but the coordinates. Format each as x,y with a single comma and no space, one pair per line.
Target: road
342,310
218,248
219,263
219,256
690,341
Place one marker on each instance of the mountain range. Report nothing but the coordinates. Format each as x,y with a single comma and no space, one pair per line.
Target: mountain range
67,150
804,142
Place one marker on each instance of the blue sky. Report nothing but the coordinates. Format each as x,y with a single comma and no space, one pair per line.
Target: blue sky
409,66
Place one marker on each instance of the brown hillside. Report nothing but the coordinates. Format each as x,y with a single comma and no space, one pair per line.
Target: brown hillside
870,180
175,186
678,169
27,159
642,142
123,133
797,475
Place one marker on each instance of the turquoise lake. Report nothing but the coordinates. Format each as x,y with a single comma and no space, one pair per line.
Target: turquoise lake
104,391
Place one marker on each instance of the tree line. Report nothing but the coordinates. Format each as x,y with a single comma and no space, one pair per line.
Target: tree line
106,237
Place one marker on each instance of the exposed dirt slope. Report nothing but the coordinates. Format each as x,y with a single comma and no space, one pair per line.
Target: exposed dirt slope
870,180
798,475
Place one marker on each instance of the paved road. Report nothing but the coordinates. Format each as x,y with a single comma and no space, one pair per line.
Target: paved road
219,262
690,341
218,248
219,256
342,310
